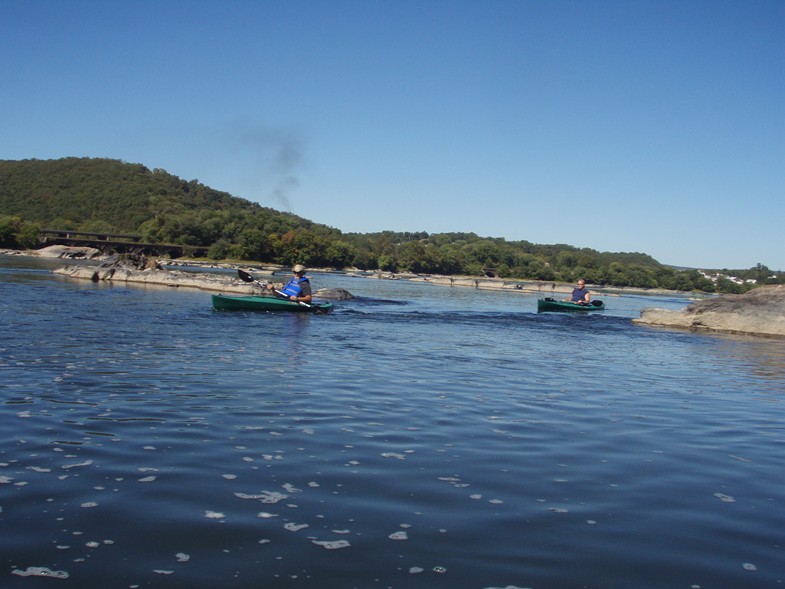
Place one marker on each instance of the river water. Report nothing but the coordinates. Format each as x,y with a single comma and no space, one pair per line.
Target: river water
419,436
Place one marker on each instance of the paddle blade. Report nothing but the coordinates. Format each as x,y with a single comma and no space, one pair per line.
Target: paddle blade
245,276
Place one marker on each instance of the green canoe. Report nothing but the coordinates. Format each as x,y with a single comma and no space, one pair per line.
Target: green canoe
257,303
549,304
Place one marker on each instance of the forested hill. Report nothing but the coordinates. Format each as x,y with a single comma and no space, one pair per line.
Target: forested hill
84,192
111,196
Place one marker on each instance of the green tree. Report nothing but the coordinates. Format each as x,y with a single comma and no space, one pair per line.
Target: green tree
18,234
220,250
27,237
388,263
9,227
727,286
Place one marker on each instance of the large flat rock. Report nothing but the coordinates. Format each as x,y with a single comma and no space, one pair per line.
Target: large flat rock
760,311
154,277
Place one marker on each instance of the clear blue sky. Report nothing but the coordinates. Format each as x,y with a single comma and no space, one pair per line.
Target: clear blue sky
655,126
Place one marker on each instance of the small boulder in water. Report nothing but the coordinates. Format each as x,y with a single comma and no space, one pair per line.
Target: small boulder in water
337,294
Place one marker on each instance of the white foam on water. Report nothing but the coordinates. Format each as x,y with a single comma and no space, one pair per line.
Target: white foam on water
739,458
272,497
182,557
78,464
725,498
213,514
40,572
398,536
293,527
264,497
332,544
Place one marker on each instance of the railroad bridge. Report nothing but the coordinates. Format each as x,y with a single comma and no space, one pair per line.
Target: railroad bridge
109,243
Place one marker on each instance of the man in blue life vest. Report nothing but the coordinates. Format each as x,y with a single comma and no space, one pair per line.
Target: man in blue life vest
580,295
298,288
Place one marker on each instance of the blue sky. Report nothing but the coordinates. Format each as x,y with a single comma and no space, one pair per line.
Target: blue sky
655,126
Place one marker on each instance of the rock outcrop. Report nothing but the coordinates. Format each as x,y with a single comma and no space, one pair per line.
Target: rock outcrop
64,251
148,271
153,277
760,311
336,294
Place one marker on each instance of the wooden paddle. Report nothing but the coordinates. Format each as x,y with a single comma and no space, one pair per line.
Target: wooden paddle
248,278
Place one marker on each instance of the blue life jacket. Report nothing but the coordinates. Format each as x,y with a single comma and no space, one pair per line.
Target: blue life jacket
293,287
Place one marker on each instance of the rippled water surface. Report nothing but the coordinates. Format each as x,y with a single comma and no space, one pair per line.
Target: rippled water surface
419,436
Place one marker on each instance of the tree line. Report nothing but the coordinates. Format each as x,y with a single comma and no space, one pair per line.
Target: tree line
111,196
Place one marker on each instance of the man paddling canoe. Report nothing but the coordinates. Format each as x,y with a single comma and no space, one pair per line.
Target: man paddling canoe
298,288
580,294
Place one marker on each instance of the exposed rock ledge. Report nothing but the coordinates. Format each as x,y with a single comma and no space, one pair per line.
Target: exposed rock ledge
158,277
150,272
760,311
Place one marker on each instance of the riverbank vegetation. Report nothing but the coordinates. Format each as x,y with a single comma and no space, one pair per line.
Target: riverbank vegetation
111,196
